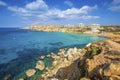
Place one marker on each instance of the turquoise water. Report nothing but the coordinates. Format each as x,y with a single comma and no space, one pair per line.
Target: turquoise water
20,49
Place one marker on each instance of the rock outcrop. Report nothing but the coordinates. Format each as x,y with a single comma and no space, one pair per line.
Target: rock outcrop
30,72
42,57
40,65
71,72
104,65
99,61
112,69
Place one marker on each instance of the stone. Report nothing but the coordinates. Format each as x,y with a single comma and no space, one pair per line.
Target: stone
61,53
42,57
75,50
53,55
30,72
40,65
112,69
70,57
70,72
114,77
54,63
93,65
48,55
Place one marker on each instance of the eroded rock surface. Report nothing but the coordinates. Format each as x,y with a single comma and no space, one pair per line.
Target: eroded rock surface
30,72
40,65
97,61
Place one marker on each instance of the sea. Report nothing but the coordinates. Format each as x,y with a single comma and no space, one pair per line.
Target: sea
20,49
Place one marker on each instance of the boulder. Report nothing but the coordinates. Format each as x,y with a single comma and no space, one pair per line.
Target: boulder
112,69
48,55
54,63
70,72
30,72
42,57
114,77
40,65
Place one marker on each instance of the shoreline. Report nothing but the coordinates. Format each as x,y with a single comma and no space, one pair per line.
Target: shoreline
71,58
77,30
37,28
65,64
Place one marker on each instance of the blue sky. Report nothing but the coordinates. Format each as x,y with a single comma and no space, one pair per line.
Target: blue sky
20,13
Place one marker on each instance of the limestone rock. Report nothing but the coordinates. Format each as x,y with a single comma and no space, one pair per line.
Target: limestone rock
54,63
71,72
114,77
48,56
92,65
42,57
112,69
30,72
40,65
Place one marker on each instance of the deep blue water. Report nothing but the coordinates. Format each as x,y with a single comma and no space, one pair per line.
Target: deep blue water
20,49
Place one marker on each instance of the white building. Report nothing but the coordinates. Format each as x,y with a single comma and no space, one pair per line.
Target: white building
81,25
95,27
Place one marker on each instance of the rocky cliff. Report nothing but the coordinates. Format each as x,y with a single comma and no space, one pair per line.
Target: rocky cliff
98,61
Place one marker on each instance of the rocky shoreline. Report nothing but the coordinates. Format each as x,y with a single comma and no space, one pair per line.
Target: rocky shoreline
97,61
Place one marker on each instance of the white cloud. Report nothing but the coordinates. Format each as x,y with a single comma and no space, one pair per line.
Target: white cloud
89,17
115,5
33,8
83,10
69,3
17,9
36,5
2,3
38,11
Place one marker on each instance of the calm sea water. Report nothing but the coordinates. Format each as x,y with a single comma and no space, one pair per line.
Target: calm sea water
20,49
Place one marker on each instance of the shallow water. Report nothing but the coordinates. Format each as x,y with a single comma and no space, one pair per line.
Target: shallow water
20,49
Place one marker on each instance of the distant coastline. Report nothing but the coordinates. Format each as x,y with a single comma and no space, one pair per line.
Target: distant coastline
102,31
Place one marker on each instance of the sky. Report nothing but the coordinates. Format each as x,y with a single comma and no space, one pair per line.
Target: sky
21,13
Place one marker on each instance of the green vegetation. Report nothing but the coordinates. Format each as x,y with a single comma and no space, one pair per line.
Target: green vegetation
94,51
